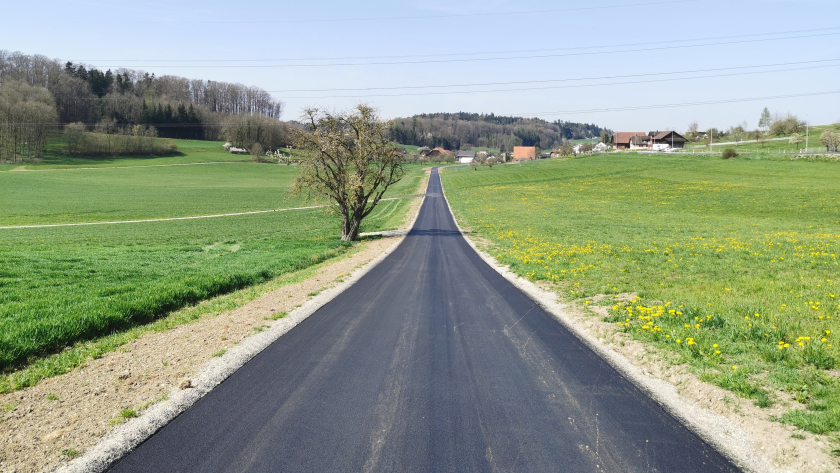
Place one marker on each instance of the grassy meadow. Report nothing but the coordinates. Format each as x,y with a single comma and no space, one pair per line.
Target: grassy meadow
63,285
771,147
189,152
732,264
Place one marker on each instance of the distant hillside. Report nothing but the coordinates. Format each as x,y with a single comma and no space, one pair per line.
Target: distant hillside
458,130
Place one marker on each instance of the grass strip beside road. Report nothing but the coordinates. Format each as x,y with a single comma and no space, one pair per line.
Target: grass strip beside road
63,285
734,263
81,352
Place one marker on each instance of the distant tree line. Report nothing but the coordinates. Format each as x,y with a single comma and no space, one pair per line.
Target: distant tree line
25,112
768,125
175,106
462,130
138,141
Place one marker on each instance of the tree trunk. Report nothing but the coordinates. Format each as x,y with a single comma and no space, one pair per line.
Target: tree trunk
350,227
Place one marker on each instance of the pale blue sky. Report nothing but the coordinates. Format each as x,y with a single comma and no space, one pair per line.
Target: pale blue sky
582,40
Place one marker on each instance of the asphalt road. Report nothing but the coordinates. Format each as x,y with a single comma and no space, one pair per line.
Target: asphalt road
430,362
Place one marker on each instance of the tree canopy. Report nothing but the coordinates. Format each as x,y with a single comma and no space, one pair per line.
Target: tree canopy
352,162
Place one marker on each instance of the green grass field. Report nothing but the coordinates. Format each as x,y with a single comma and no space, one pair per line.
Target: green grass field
734,263
780,146
63,285
189,151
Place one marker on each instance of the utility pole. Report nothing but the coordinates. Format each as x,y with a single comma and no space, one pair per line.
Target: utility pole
807,131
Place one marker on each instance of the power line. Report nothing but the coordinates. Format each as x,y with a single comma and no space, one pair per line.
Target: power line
478,84
439,61
542,114
676,105
563,86
385,18
515,51
655,74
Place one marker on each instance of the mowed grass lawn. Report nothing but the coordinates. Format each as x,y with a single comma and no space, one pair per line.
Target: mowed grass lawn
735,263
63,285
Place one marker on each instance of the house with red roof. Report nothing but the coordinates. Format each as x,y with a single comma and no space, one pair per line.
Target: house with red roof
524,153
626,139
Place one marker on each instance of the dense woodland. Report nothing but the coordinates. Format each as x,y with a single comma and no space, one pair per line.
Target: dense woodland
461,130
115,102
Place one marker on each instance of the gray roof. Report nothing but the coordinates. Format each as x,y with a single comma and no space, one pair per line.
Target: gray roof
466,154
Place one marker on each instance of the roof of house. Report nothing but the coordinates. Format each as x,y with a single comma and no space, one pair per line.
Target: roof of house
524,152
624,137
466,154
664,134
443,150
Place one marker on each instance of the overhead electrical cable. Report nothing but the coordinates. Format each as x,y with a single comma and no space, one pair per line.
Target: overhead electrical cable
463,60
545,114
580,79
675,105
475,53
575,86
481,84
389,18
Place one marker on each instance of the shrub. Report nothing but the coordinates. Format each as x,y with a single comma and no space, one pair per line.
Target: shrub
729,153
135,141
245,130
257,150
787,126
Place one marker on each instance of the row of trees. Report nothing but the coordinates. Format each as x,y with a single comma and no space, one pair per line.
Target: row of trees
768,125
247,131
136,141
26,115
462,130
177,107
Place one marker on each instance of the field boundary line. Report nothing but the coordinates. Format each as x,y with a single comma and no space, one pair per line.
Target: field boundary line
128,167
194,217
719,432
124,438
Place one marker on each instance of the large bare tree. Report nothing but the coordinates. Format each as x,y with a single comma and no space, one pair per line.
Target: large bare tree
352,162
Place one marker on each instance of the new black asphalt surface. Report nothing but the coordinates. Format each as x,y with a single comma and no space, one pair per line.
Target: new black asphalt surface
431,362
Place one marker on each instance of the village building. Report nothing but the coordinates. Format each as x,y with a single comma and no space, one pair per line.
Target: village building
639,142
600,148
465,157
425,152
524,153
666,140
621,140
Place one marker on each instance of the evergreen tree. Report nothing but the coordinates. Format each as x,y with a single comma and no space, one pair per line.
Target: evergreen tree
765,121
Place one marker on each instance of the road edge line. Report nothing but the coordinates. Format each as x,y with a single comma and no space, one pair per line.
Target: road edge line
123,439
722,434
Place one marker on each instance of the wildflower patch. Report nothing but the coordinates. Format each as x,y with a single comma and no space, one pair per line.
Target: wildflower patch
737,274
